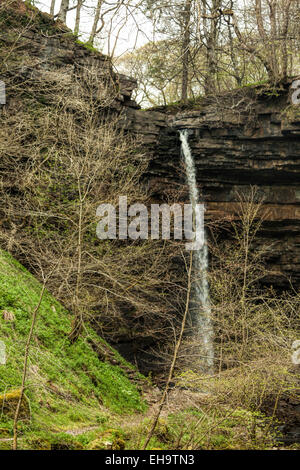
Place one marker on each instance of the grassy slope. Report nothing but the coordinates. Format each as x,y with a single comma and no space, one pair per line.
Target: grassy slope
66,383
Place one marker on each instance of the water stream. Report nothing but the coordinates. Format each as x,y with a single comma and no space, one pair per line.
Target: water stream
200,307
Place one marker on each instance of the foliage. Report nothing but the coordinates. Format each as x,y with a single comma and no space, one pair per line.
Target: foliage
60,374
67,152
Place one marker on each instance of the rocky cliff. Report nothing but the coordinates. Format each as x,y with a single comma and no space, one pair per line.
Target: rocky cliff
35,48
247,137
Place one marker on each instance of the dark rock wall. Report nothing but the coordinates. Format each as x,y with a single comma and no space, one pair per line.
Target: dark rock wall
247,137
34,47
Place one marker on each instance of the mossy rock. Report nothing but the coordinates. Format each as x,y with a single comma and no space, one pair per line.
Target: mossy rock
99,444
119,444
54,441
111,439
162,430
65,442
9,397
5,445
111,432
4,432
38,443
106,444
290,117
8,403
67,445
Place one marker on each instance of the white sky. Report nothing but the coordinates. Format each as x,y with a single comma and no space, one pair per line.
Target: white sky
131,34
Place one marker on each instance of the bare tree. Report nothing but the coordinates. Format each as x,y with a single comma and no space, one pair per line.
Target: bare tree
64,7
185,50
78,16
175,353
52,7
274,20
25,368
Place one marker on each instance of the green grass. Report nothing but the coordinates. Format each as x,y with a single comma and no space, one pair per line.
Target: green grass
69,388
67,384
88,46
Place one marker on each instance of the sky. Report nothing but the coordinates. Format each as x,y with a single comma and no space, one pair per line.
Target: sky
132,34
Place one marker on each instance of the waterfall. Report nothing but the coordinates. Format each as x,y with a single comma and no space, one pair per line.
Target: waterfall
200,307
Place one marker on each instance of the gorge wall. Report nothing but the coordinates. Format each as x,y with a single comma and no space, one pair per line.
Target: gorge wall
246,137
249,137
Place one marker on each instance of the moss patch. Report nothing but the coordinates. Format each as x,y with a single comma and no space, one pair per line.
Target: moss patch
67,383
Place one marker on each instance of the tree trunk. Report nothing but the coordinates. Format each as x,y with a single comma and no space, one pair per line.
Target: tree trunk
175,354
211,34
64,6
185,51
52,6
25,367
273,32
252,49
284,33
77,19
95,23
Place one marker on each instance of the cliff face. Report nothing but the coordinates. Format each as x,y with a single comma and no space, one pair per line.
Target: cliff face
35,48
250,137
258,146
247,137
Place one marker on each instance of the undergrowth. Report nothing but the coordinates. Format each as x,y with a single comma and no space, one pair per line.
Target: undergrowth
67,383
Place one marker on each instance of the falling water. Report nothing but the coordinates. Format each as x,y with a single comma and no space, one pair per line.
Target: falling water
201,313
